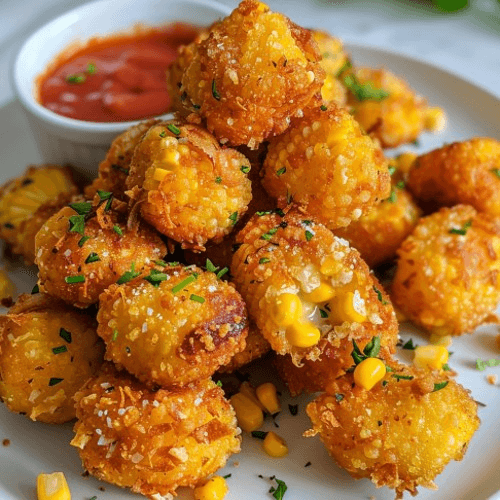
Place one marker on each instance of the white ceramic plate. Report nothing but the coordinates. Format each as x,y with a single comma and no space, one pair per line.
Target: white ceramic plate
39,448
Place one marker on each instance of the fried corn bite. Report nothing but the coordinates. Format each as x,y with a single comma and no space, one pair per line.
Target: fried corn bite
81,251
27,199
325,163
401,433
378,234
256,347
333,60
387,108
188,187
114,169
336,359
447,277
174,326
303,286
465,172
153,442
47,352
254,72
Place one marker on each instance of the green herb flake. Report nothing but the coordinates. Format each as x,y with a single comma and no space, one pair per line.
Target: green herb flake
409,345
77,224
115,335
54,381
268,236
162,134
60,349
463,230
259,434
294,410
222,272
128,275
83,208
35,290
446,367
364,91
245,169
400,184
105,195
372,349
120,169
196,298
93,498
64,334
76,78
380,297
323,107
155,277
83,240
323,313
174,129
227,476
384,383
91,68
177,288
218,383
218,180
392,197
496,171
392,170
93,257
264,260
399,377
210,267
118,230
234,218
309,235
71,280
440,385
482,365
280,491
215,93
339,397
281,171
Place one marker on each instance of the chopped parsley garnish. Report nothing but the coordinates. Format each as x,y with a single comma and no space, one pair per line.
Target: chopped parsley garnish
60,349
400,184
177,288
267,236
54,381
446,367
128,275
93,257
222,272
120,169
463,230
91,68
155,277
277,211
115,335
323,313
384,383
118,230
392,170
71,280
371,350
83,208
77,224
218,180
279,492
309,235
482,365
64,334
380,297
440,385
264,260
339,397
281,171
210,267
227,476
218,383
234,218
259,434
105,195
82,241
245,169
364,91
294,409
409,345
196,298
76,78
35,290
162,134
174,129
215,93
399,377
392,197
93,498
496,171
323,107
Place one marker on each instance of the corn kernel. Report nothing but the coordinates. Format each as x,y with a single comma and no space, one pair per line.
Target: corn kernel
369,372
160,174
342,309
171,158
303,334
330,266
405,161
435,119
444,340
268,396
52,487
274,445
249,391
249,414
214,489
430,356
287,309
322,293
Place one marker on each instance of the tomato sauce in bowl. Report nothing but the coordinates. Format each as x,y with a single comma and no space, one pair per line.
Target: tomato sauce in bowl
117,78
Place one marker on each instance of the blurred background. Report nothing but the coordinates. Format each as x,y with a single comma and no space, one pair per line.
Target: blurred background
458,35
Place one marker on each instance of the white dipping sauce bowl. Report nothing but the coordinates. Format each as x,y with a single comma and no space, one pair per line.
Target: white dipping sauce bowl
83,144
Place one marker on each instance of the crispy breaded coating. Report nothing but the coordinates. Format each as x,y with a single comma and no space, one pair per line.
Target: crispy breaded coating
333,60
47,352
188,187
254,72
336,359
325,163
114,169
401,434
465,172
378,234
447,278
385,106
299,281
39,192
174,326
79,256
153,442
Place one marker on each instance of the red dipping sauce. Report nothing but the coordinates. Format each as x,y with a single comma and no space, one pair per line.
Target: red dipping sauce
117,78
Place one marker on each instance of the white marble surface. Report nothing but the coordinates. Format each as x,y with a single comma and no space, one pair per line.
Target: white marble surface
466,43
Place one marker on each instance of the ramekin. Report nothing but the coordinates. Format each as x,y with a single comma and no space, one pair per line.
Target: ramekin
83,144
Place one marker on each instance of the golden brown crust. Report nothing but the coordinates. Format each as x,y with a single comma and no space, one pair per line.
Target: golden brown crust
447,277
325,163
47,352
153,442
251,75
465,172
174,333
400,434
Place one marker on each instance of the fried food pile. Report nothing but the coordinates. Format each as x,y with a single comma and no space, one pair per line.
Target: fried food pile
255,223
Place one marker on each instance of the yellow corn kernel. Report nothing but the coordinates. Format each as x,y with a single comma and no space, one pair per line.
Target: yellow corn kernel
330,266
287,309
430,356
444,340
249,391
303,334
322,293
52,487
405,161
160,174
249,414
268,397
369,372
274,445
342,309
435,119
214,489
171,158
